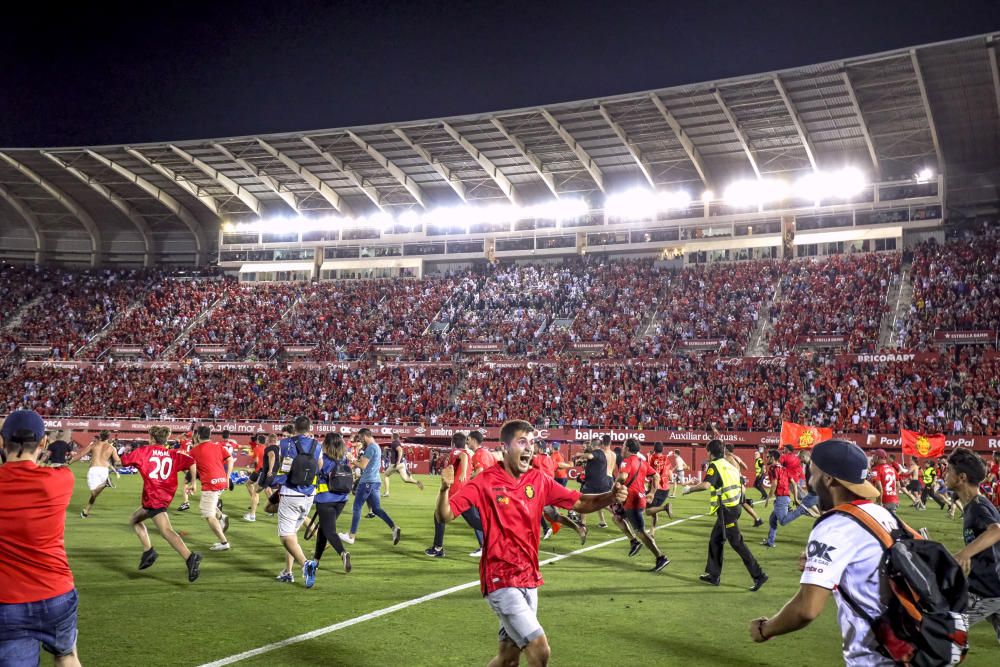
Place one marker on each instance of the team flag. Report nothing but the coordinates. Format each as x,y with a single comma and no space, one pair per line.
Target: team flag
803,437
918,444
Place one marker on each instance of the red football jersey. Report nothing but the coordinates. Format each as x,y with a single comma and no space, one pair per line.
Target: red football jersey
455,461
664,467
636,471
779,479
159,467
258,454
557,458
886,476
544,463
211,459
511,512
482,459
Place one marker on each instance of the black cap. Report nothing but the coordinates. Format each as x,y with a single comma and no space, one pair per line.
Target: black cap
847,463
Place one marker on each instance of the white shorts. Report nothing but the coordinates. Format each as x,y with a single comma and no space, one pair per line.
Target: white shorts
517,609
97,477
398,468
292,513
209,503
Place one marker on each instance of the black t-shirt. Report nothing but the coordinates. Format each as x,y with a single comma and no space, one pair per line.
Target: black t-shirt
595,472
984,580
268,474
58,451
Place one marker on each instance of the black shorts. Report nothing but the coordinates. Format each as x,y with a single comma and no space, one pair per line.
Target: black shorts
187,476
254,476
660,497
636,518
594,489
153,511
913,486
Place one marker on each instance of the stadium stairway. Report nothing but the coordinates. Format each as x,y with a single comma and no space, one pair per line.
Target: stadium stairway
757,347
167,351
99,336
900,296
15,320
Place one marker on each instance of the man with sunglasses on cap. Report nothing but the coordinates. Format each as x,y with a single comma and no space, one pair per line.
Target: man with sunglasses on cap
840,555
38,600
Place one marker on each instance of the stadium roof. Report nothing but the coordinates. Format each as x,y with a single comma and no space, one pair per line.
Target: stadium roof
891,114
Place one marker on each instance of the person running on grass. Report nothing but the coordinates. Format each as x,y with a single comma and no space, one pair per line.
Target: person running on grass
370,465
299,458
633,475
333,485
663,465
397,465
510,498
102,453
212,468
158,465
460,464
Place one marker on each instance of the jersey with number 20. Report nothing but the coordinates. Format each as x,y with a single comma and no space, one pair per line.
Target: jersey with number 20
159,467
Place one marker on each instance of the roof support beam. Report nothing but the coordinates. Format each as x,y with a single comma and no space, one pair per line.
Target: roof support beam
633,150
862,124
442,169
740,134
261,176
991,49
168,201
800,126
30,219
231,186
506,187
126,209
356,179
318,184
581,153
391,167
532,159
71,205
191,188
692,151
927,109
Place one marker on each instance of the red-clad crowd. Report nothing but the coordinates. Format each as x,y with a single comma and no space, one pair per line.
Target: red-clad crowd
841,294
956,286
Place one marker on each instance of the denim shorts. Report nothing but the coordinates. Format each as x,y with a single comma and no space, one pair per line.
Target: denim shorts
49,623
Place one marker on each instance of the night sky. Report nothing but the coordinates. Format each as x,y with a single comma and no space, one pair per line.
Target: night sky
100,73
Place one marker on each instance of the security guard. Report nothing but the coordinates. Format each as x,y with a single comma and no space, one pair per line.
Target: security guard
760,474
723,479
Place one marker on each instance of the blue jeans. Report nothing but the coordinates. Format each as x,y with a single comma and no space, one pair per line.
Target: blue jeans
808,500
780,516
27,627
368,492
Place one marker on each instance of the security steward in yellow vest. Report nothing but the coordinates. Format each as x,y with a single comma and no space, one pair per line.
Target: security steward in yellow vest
723,480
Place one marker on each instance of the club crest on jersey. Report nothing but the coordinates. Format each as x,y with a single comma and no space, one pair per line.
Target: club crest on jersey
529,492
503,500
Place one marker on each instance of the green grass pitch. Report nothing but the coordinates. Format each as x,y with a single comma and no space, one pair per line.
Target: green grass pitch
598,607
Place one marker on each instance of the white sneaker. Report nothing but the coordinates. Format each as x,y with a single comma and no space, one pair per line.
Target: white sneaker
219,546
344,537
548,534
477,553
250,517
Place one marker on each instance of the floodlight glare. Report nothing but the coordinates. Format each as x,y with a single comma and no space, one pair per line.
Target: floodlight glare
822,185
925,174
755,192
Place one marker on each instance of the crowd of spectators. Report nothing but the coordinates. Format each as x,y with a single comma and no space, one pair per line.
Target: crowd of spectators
160,317
840,294
956,287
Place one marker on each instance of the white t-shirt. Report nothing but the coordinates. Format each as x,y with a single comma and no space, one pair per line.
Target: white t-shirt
841,553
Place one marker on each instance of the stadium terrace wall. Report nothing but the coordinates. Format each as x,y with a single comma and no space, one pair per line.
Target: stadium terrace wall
440,433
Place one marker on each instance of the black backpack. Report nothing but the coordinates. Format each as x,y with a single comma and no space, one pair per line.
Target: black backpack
341,477
925,594
304,465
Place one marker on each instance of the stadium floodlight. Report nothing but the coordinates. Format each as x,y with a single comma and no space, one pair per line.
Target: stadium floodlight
409,218
924,175
632,204
823,185
707,196
755,192
673,200
557,209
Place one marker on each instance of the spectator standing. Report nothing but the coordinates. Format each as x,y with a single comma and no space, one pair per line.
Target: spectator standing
38,599
368,488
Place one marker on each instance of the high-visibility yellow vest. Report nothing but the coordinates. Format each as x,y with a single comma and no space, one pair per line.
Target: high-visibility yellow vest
731,490
929,475
758,467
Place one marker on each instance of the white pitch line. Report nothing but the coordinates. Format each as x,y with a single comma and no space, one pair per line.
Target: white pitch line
319,632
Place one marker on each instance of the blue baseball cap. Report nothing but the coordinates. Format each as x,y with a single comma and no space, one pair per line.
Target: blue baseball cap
846,462
24,427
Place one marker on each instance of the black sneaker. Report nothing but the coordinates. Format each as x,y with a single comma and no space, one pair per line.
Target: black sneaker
758,523
434,552
370,515
634,548
396,532
708,579
346,557
193,563
148,558
758,582
184,507
661,563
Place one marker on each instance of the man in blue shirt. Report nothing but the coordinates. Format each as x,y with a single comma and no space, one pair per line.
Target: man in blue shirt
369,486
295,500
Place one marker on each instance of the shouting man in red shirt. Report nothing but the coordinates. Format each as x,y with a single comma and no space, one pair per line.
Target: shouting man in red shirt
510,498
159,467
38,599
